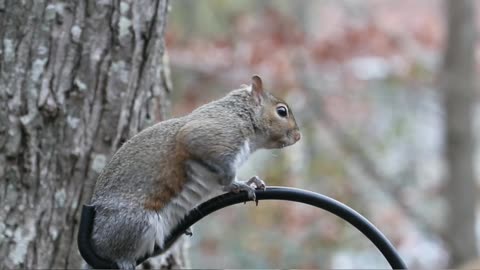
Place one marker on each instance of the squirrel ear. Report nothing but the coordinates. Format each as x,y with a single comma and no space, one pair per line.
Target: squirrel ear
257,88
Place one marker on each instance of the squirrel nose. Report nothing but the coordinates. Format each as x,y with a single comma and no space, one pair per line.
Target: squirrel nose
297,136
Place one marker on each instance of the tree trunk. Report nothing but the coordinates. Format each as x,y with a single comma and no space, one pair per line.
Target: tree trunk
458,85
77,78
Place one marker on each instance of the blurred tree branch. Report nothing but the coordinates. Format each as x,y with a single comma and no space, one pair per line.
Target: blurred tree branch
457,82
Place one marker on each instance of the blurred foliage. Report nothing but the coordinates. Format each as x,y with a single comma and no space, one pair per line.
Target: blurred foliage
360,78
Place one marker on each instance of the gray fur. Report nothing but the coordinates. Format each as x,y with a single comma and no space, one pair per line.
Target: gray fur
214,135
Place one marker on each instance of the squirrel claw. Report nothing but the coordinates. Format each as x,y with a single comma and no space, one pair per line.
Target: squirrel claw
188,232
242,186
259,183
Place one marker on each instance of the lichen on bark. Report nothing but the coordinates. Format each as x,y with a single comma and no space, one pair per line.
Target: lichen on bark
76,81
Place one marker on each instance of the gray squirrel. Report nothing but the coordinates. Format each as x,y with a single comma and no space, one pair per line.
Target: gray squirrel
164,171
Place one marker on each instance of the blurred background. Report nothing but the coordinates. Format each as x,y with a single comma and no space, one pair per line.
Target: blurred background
385,93
364,80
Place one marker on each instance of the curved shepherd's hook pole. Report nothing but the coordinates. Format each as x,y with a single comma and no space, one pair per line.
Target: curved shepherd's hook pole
222,201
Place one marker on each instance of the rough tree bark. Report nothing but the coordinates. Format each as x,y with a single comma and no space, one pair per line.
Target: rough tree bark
77,78
458,85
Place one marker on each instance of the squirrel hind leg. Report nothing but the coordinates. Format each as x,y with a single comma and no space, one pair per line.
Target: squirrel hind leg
126,264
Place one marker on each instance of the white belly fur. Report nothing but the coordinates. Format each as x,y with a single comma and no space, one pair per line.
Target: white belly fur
161,223
201,186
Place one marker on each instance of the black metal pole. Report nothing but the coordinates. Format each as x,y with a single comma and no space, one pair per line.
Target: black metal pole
225,200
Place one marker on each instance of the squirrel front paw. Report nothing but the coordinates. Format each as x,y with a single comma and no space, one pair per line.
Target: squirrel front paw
259,183
238,186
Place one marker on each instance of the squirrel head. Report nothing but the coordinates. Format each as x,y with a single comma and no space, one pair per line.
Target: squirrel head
273,118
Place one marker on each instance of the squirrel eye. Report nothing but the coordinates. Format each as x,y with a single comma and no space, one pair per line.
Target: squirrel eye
282,111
